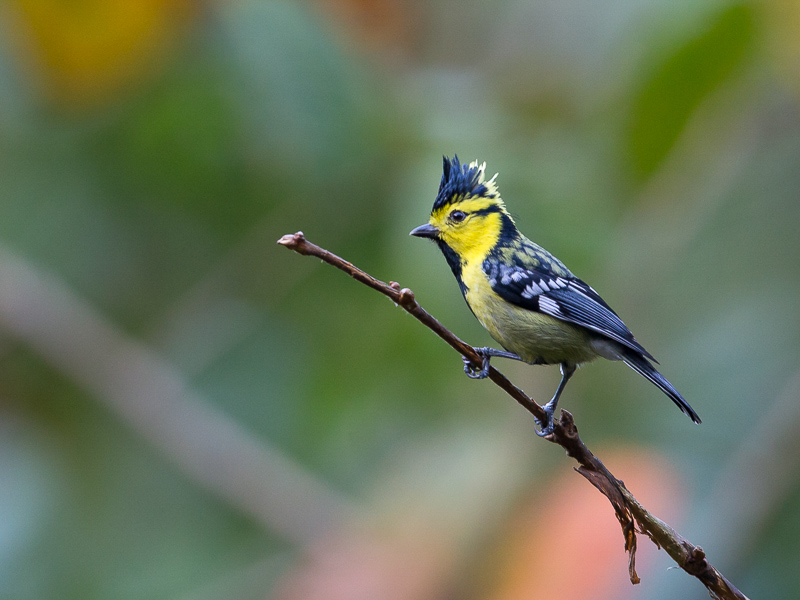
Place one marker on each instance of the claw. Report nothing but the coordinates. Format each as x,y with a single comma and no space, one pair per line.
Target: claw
472,371
567,369
485,353
545,429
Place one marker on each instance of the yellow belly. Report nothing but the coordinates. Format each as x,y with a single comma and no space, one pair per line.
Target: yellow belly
533,336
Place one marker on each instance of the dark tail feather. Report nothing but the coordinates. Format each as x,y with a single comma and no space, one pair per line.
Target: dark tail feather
641,365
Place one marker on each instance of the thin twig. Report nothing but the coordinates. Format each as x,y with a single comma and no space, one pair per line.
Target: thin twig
633,517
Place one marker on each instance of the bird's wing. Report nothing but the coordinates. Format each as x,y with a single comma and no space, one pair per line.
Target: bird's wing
566,298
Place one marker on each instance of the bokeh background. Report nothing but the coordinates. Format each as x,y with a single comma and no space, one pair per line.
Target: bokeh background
190,412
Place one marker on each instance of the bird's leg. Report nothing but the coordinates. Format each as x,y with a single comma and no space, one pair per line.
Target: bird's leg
567,369
485,354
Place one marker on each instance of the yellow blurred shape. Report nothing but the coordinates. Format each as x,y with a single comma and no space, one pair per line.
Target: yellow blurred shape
88,51
782,20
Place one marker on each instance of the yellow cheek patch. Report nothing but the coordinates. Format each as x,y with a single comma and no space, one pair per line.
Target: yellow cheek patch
472,238
477,235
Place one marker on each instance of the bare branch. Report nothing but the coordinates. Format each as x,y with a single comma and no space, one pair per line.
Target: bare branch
633,517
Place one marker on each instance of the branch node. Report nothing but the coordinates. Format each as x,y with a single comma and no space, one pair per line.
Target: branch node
406,299
696,564
291,240
567,423
295,241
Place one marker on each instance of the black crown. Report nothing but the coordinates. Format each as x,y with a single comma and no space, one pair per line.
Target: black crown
459,182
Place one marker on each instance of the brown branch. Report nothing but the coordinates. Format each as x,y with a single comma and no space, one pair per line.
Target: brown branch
633,517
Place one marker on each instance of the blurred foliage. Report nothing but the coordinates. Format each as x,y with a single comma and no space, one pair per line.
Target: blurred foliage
152,152
92,50
696,68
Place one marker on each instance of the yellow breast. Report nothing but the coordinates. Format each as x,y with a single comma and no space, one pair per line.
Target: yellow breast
533,336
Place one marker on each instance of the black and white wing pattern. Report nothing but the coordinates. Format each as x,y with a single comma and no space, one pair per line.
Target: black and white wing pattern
563,297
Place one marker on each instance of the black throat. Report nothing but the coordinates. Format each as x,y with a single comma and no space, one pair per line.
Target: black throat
455,263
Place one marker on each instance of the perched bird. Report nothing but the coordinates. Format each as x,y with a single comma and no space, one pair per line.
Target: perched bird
523,295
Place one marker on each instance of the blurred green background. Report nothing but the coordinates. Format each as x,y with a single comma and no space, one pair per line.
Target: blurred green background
188,411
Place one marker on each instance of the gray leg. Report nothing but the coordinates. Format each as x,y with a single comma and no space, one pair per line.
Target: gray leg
567,369
486,354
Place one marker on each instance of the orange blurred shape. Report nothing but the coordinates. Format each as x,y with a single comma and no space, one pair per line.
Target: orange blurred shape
412,565
566,543
384,25
86,52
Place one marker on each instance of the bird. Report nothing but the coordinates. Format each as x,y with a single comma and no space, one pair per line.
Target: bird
526,298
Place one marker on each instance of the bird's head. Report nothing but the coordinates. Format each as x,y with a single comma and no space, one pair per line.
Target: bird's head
468,215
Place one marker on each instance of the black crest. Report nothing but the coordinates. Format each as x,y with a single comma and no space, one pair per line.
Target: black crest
460,181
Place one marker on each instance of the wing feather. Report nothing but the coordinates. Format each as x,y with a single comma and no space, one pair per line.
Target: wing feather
566,298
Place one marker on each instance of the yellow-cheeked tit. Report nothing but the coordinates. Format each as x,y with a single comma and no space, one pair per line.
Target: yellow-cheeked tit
523,295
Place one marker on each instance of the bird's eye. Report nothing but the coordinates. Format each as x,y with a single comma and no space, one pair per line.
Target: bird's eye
457,216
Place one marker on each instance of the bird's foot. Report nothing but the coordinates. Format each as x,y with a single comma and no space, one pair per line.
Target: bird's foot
548,427
474,372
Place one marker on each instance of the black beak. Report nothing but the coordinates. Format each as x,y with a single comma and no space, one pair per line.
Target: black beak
426,231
